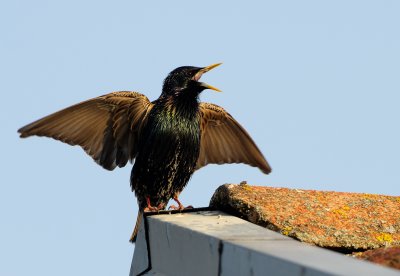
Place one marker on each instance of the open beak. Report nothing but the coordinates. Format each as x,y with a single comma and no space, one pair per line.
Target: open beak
204,70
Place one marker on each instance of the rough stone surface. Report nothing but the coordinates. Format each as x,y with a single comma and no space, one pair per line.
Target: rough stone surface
346,222
389,256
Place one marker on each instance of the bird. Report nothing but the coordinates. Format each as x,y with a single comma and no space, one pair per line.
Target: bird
167,139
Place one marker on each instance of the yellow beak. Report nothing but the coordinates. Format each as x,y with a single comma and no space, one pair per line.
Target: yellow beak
209,67
204,70
207,86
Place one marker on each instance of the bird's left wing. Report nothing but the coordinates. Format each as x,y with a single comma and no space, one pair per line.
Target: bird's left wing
106,127
224,140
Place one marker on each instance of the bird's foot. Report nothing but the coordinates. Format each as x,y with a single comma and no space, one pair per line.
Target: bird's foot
180,206
151,208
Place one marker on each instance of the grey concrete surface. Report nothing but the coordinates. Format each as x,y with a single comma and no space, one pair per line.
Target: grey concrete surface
215,243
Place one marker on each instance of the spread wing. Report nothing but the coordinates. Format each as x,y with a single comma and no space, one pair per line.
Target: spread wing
224,140
106,127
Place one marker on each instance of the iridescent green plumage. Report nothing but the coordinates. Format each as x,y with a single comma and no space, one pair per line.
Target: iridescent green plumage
170,146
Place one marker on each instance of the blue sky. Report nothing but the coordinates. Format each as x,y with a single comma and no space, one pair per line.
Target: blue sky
315,83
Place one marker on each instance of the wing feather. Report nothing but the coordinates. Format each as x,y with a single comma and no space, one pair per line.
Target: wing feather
106,127
224,140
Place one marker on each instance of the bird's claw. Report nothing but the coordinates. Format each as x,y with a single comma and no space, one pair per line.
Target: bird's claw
173,207
180,207
150,208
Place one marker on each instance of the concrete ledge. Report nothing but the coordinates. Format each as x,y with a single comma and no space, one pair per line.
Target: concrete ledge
215,243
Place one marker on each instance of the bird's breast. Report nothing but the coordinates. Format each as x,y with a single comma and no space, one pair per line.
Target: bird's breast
168,153
168,131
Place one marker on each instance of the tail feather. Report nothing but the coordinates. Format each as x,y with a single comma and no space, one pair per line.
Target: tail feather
137,225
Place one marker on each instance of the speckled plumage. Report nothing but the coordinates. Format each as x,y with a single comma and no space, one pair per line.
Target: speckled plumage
168,138
170,146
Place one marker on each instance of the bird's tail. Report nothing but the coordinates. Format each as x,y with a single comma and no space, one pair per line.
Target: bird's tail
137,225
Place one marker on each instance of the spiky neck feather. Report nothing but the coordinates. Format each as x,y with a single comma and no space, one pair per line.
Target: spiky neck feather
183,104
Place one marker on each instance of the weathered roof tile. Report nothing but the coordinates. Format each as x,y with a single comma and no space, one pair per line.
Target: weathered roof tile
342,221
389,256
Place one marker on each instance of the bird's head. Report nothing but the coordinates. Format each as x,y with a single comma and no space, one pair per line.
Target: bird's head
185,80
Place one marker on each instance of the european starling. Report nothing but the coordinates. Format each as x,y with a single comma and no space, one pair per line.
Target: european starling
168,138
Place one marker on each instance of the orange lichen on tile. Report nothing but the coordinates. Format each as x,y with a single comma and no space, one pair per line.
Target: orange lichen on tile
344,221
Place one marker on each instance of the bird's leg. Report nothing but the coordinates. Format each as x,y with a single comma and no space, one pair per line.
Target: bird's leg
180,205
161,206
151,208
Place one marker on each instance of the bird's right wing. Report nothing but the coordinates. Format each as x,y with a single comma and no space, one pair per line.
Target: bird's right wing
224,140
106,127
